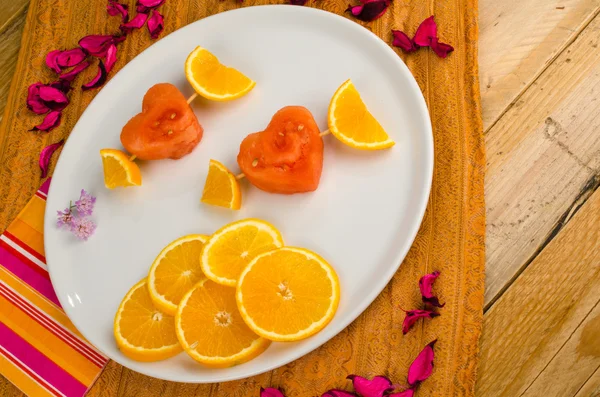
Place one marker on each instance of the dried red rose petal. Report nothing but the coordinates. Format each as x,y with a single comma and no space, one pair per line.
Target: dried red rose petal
63,85
421,368
96,44
69,58
113,8
441,50
426,286
137,22
426,31
402,41
54,98
338,393
98,80
51,60
70,75
52,120
155,24
111,57
413,315
298,2
34,102
369,11
405,393
147,5
46,155
375,387
270,392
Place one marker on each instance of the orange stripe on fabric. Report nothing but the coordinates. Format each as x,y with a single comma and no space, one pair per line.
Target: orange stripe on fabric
33,214
20,379
28,235
48,344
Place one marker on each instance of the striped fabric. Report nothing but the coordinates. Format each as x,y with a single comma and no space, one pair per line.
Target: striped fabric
41,352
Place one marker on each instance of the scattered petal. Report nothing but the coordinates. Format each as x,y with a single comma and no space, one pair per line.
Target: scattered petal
375,387
62,84
298,2
137,22
369,11
70,75
113,8
51,121
402,41
34,102
111,57
441,50
98,80
155,24
426,31
118,39
421,368
147,5
54,98
96,44
270,392
85,204
51,60
338,393
405,393
426,286
64,218
413,315
69,58
82,228
46,155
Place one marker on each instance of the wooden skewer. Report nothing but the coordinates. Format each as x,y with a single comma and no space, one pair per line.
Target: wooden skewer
133,157
190,99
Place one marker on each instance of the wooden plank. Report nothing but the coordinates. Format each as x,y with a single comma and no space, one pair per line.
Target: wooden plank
10,42
10,8
591,387
533,322
543,160
518,39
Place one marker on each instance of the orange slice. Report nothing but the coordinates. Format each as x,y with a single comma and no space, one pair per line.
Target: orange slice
231,248
210,329
175,271
143,332
119,170
221,187
215,81
352,123
288,294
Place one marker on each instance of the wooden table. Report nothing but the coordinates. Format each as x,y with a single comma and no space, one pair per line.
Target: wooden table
540,83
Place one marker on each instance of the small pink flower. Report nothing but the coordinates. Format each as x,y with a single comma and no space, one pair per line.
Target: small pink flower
85,204
65,218
83,228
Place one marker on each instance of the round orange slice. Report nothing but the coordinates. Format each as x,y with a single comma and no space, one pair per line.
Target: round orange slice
211,330
288,294
351,122
142,332
175,271
221,187
119,170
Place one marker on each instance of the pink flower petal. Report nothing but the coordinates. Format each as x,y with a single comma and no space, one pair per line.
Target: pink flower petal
155,24
369,11
375,387
34,102
51,60
118,39
113,8
426,32
51,121
46,155
70,75
96,44
69,58
338,393
421,368
147,5
402,41
54,98
413,315
405,393
270,392
441,50
98,80
62,84
426,285
111,57
137,22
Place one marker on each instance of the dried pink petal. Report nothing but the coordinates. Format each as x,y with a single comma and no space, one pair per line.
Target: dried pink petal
34,102
147,5
51,121
402,41
155,24
46,155
375,387
96,44
426,286
298,2
69,58
441,50
98,80
63,84
137,22
426,31
421,368
413,315
270,392
51,60
113,8
118,39
111,57
54,98
70,75
405,393
338,393
369,11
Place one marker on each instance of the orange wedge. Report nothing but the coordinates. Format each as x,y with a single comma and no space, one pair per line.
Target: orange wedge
231,248
351,122
119,170
143,332
221,187
213,80
175,271
288,294
210,329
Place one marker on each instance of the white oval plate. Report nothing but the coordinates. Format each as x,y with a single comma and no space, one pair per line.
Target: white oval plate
362,219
